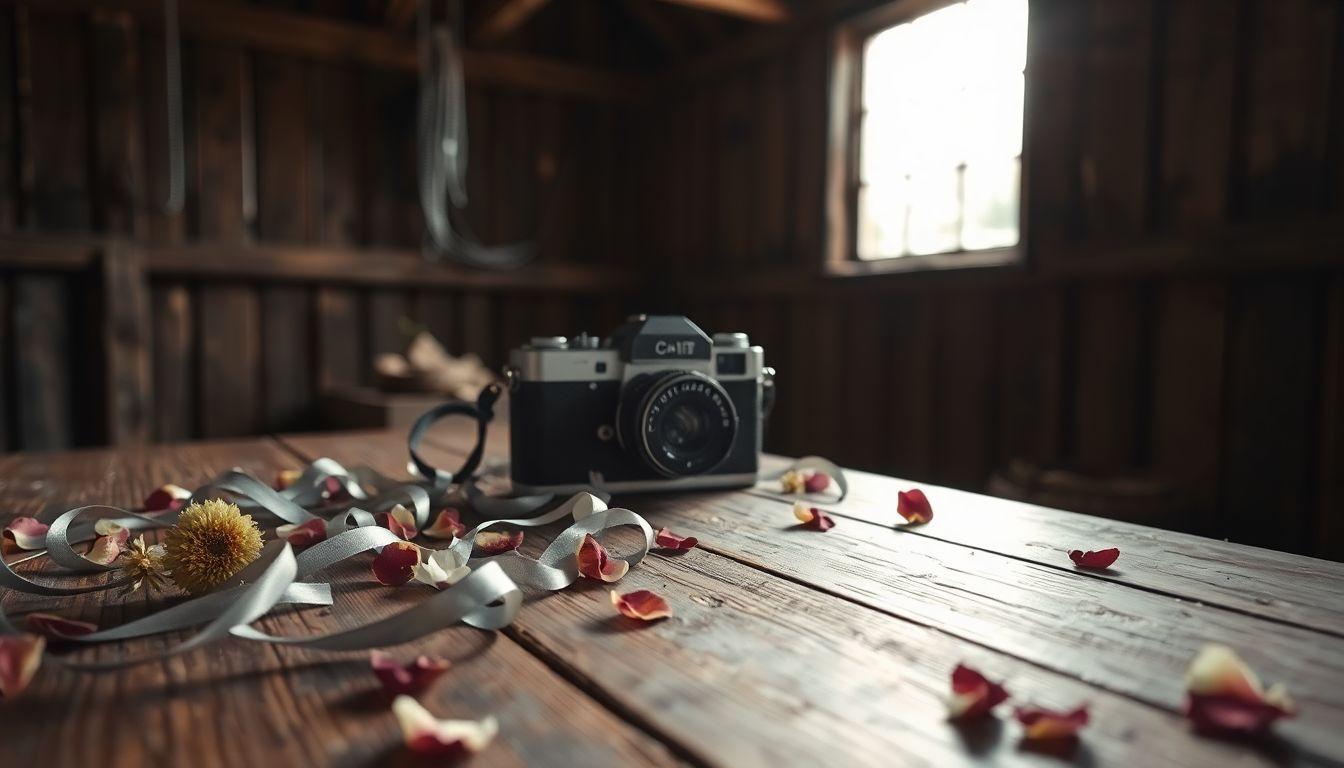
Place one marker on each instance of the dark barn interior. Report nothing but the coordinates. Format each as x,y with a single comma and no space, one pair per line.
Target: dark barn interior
1165,344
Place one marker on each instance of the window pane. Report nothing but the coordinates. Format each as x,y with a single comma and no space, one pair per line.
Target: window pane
942,96
882,214
991,192
935,211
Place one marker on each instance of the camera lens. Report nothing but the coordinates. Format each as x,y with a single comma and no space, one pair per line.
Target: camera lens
677,422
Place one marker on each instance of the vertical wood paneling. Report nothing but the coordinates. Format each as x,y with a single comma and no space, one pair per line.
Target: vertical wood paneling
42,374
287,364
810,112
913,321
9,149
388,312
286,155
163,225
1328,538
437,313
1030,375
965,388
52,88
479,328
229,318
1188,371
343,131
223,86
863,411
1273,355
1115,150
1290,58
1052,127
1109,358
118,171
1198,70
126,342
394,208
774,121
174,358
341,359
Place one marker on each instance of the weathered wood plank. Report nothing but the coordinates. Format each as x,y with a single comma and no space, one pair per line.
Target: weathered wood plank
118,163
290,706
755,669
41,367
965,379
286,157
9,111
126,343
286,357
174,367
1108,354
342,188
340,338
52,89
1045,612
222,141
230,362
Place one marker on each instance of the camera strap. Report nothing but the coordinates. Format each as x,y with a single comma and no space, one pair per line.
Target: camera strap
483,411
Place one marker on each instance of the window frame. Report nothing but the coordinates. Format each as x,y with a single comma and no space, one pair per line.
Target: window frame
841,257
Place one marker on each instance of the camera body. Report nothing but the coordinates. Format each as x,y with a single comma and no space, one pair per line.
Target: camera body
656,406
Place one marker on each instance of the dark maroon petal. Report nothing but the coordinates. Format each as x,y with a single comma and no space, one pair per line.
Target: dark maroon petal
1102,558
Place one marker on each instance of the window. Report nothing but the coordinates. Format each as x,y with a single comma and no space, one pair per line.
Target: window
935,125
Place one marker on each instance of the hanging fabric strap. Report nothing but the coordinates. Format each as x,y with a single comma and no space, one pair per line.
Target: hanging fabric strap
482,411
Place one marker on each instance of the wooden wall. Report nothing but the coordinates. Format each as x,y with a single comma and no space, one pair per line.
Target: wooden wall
297,255
1180,313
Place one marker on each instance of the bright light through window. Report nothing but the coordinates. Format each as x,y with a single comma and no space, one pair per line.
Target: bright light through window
941,134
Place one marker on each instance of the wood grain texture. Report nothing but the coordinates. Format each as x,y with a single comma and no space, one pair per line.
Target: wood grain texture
222,144
118,178
42,371
174,362
229,318
126,346
240,703
755,669
54,122
286,357
340,338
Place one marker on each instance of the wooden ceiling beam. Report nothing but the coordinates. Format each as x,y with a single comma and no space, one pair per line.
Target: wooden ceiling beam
501,17
766,11
305,36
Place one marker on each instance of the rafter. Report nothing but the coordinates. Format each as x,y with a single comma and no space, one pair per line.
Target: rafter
769,11
502,17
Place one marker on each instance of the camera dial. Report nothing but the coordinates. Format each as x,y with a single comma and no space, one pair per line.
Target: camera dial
677,422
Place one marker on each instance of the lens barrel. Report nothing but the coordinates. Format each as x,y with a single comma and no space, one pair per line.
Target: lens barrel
679,423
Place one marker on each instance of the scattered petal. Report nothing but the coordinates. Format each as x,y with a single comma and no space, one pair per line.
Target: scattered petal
595,563
452,739
641,604
399,521
793,482
1099,560
817,482
1041,724
406,679
333,488
167,498
669,540
812,517
498,542
20,656
286,477
441,569
447,525
108,547
914,506
973,694
27,533
1225,697
303,535
395,565
57,627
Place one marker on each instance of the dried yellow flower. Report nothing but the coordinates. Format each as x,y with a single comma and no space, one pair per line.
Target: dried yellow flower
143,565
212,541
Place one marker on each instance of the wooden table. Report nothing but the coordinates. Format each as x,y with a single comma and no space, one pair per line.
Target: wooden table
788,646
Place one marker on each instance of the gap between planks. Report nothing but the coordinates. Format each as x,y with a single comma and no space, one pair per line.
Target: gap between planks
554,662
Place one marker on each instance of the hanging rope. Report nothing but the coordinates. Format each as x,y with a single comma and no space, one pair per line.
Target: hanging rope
442,141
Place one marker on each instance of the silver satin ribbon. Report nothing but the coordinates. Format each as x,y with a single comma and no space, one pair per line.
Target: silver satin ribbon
487,598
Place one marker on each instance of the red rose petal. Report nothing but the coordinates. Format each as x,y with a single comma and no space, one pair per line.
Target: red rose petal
56,627
914,506
666,539
1040,724
27,533
395,565
399,521
641,605
594,563
20,657
334,489
1224,697
497,542
816,482
447,525
1102,558
107,548
412,678
812,517
303,535
973,694
449,739
167,498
